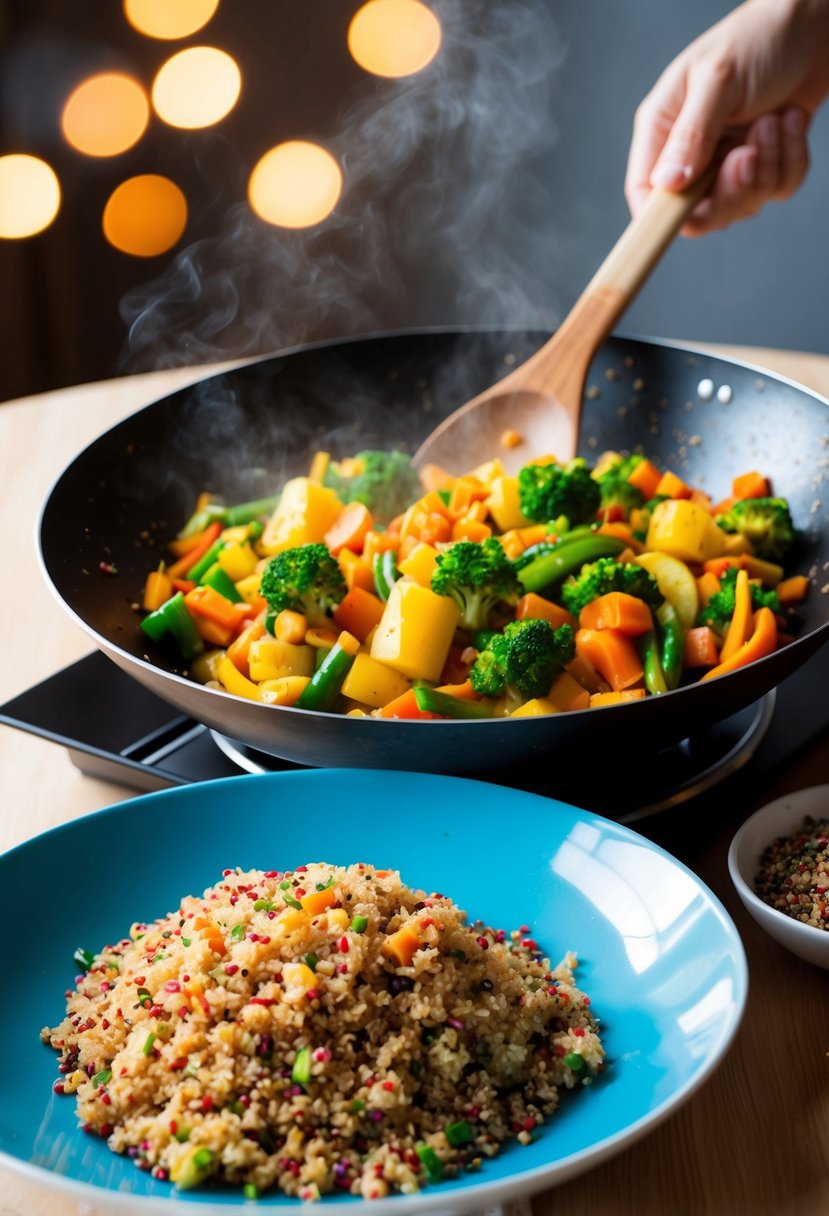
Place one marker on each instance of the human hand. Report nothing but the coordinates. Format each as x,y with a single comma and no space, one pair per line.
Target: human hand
744,92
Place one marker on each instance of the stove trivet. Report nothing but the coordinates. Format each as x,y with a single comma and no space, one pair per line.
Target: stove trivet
675,775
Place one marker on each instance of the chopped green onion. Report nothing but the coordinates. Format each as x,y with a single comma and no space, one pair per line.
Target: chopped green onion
459,1133
148,1044
574,1060
183,1135
102,1077
323,886
185,941
237,932
144,996
84,958
311,960
250,1190
459,955
292,903
356,1106
359,924
430,1160
236,1107
301,1071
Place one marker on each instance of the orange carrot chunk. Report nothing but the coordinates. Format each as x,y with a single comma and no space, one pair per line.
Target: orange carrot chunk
750,485
793,590
700,647
536,607
358,612
646,478
612,654
617,610
348,531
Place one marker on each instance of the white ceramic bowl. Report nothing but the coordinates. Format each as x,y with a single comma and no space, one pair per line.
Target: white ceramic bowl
779,818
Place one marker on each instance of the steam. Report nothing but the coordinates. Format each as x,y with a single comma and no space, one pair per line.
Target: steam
442,221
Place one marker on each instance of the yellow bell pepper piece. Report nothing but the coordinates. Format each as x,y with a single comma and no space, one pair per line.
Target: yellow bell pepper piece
298,976
270,659
415,631
357,572
420,564
504,504
372,683
488,471
237,560
567,694
248,588
228,674
305,512
536,708
685,530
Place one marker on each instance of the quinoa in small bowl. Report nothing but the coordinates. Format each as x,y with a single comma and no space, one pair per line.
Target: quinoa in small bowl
779,864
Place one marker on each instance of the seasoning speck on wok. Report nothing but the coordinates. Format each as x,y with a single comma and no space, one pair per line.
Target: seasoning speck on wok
321,1030
794,874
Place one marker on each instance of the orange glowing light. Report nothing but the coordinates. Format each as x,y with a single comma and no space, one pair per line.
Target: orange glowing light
145,215
105,114
394,37
169,18
196,87
295,185
29,196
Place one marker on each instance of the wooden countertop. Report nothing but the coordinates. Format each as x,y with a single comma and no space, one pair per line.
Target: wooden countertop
754,1139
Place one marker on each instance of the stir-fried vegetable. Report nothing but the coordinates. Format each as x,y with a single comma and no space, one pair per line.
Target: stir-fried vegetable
564,588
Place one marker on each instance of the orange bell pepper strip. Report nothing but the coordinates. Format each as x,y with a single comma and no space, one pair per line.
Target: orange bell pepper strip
613,655
739,628
206,539
239,650
404,706
206,601
762,642
617,610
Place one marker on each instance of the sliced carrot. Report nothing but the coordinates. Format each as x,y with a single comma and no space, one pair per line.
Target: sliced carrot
617,610
466,491
598,699
750,485
469,529
212,632
622,531
740,625
206,539
463,691
535,606
290,626
182,584
673,486
762,642
646,478
700,647
613,655
793,590
348,531
358,612
379,542
205,601
404,706
707,585
357,572
533,533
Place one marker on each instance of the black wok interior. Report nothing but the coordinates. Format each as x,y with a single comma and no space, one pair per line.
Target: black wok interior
242,433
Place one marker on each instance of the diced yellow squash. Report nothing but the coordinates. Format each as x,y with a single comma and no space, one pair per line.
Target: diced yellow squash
305,512
372,683
488,471
400,947
504,504
675,581
536,708
420,564
338,918
357,572
298,976
567,694
317,901
685,530
238,560
248,587
415,631
270,659
290,919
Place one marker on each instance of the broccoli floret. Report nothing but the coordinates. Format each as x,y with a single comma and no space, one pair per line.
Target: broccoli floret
384,481
549,490
477,575
307,579
765,522
720,608
523,660
605,575
618,492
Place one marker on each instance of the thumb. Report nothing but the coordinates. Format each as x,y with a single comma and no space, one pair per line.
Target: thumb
706,110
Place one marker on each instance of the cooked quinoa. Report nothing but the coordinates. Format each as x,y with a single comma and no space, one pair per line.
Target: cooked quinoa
794,874
318,1030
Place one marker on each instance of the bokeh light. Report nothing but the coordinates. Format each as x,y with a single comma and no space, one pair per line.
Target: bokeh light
394,37
197,87
29,195
105,114
295,185
145,215
169,18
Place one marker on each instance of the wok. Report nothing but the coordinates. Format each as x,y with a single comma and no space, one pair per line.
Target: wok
241,433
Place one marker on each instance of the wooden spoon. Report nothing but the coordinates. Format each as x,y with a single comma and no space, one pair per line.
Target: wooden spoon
541,400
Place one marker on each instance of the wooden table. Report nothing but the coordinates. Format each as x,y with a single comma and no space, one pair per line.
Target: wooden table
754,1139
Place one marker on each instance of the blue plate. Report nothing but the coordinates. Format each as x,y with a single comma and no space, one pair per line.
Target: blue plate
659,956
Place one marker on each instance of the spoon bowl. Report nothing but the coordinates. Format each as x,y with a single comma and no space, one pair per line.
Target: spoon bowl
540,401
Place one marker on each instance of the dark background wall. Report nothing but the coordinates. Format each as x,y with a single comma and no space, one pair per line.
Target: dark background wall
485,190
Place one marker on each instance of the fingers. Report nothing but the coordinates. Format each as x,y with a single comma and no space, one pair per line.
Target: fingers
770,164
678,126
